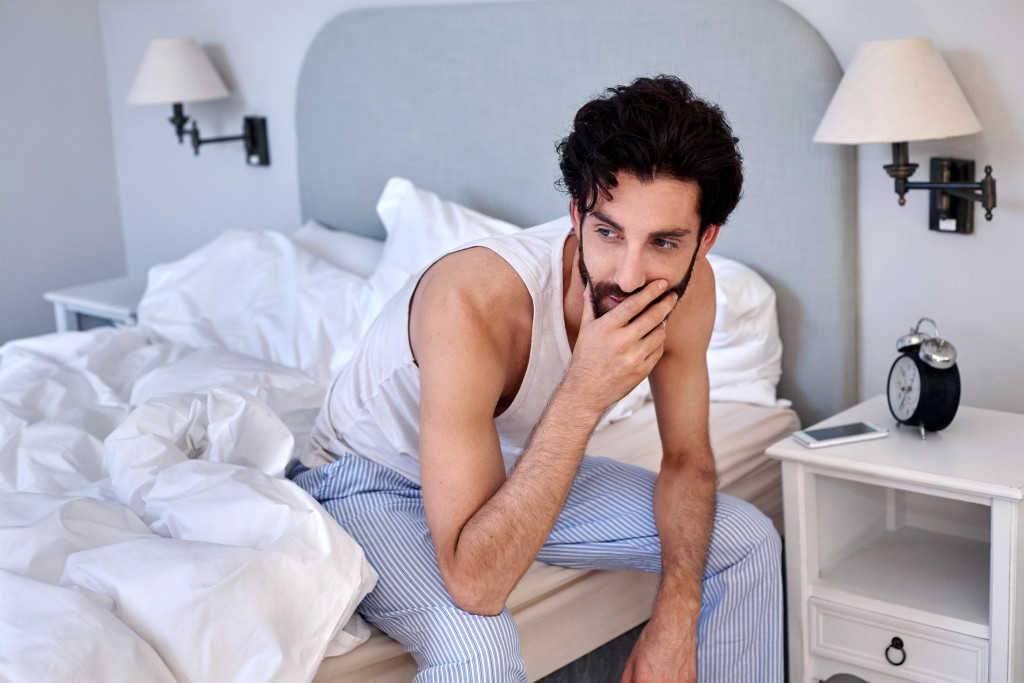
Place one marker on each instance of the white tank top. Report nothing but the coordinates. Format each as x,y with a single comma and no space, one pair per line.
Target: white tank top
372,408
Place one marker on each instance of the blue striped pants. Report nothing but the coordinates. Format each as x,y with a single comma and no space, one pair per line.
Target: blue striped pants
607,523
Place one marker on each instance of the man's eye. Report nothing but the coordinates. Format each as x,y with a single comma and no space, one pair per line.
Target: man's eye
604,232
665,244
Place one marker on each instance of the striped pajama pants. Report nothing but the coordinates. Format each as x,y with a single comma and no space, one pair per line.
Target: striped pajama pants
607,523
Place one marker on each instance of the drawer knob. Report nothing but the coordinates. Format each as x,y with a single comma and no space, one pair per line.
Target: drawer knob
895,654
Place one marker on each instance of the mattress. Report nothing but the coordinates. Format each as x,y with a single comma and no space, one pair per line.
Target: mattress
579,610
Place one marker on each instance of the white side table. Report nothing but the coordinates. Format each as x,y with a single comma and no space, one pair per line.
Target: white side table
904,556
114,300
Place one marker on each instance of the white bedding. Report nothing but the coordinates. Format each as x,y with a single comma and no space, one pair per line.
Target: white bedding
146,529
146,532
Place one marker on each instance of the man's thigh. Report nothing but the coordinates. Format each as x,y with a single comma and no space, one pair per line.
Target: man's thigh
384,513
607,521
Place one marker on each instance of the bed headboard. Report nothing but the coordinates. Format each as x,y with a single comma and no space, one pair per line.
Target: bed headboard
469,100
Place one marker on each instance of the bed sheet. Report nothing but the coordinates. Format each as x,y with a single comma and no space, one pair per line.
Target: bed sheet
146,531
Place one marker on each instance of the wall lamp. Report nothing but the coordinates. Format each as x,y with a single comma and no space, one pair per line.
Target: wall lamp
175,71
897,91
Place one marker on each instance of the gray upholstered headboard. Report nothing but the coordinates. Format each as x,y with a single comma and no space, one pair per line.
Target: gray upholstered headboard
468,101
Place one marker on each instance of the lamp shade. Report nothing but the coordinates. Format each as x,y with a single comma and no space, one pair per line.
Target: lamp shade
176,70
897,91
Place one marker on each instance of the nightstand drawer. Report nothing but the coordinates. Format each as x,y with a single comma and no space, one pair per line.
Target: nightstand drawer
861,638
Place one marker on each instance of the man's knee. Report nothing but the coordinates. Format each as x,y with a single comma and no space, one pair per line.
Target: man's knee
764,534
452,645
742,533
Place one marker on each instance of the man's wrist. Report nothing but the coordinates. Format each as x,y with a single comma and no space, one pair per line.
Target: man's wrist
573,402
675,622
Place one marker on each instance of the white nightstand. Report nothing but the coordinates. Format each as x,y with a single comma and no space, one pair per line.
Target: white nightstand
909,549
114,300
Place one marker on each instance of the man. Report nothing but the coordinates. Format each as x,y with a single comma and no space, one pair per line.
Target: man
452,446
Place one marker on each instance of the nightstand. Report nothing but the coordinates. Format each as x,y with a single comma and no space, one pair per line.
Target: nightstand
903,555
112,300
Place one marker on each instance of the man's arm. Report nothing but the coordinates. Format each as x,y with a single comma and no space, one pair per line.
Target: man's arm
684,495
487,530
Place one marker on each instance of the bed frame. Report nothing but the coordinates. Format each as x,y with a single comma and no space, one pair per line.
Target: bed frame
468,101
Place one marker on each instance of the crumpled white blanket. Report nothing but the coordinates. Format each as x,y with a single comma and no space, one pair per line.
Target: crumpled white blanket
146,531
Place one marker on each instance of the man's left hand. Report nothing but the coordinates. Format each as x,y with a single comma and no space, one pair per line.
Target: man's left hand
663,657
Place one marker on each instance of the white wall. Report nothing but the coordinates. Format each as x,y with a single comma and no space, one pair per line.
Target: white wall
171,202
59,220
970,284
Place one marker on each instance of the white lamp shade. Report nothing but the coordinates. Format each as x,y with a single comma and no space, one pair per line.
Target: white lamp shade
176,70
897,91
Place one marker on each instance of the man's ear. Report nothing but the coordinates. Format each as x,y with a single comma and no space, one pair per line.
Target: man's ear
708,240
576,216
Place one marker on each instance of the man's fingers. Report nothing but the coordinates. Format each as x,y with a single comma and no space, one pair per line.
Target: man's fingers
635,303
654,315
652,345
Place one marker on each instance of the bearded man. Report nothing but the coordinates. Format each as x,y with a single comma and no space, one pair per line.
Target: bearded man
452,445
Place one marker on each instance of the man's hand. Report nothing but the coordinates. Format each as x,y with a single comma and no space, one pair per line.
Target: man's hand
662,656
615,352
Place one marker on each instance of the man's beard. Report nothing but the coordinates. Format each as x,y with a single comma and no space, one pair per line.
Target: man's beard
600,291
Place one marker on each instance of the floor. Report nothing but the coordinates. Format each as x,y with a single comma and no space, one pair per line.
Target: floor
603,665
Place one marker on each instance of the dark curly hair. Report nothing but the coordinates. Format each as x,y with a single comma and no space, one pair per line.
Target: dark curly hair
652,128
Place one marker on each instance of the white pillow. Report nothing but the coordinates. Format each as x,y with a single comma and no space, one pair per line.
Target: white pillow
354,253
745,353
422,227
254,292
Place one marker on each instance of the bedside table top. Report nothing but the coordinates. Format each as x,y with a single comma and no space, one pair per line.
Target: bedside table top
117,297
981,452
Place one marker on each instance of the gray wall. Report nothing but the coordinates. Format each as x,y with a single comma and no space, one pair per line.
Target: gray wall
59,219
171,202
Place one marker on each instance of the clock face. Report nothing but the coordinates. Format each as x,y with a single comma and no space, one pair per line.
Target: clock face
904,388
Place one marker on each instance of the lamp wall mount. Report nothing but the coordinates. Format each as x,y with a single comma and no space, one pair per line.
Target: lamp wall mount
951,187
254,135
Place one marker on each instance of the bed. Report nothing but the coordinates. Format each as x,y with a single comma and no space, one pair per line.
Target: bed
146,530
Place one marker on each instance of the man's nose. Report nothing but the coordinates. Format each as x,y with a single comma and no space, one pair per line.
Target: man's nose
630,275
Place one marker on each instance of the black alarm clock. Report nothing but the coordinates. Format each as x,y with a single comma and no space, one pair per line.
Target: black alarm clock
924,382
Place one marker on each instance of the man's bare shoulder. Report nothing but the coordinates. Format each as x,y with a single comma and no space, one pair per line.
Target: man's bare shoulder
693,319
472,291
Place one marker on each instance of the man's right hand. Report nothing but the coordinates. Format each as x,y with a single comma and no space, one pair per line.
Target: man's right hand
615,352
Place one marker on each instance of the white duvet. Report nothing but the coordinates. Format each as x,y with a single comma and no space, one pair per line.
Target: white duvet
146,531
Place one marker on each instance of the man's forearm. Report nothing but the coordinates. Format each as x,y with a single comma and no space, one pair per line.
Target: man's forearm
499,542
684,508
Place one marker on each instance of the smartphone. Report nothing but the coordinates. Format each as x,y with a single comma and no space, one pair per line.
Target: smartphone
839,434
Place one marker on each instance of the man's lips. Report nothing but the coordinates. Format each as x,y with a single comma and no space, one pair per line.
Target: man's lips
614,301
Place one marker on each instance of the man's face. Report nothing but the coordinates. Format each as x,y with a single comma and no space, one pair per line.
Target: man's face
644,232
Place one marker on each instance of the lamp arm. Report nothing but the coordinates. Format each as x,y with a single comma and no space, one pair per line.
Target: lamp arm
254,134
197,141
983,191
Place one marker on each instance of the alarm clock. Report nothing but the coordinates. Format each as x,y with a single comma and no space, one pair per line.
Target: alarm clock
924,382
